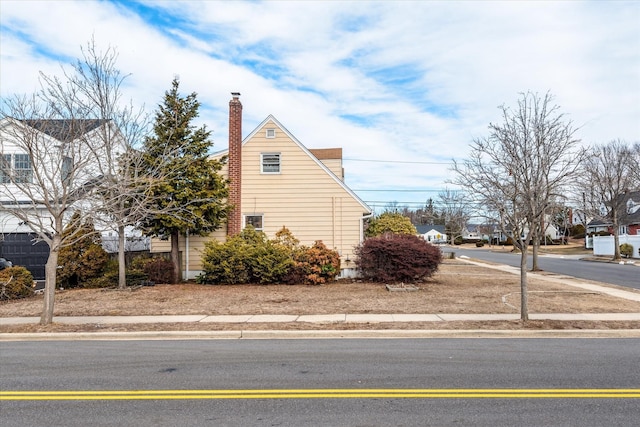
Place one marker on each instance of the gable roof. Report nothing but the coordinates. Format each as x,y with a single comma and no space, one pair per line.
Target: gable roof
423,229
308,152
63,129
626,218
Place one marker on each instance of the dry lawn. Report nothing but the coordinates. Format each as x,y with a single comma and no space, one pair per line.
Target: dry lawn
457,287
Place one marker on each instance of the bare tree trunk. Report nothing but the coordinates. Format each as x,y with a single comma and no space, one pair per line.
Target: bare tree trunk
616,246
122,268
616,235
175,256
50,281
536,248
524,300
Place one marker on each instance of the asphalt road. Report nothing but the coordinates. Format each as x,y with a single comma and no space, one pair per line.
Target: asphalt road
381,382
616,274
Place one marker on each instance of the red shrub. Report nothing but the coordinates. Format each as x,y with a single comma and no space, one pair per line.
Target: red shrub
397,258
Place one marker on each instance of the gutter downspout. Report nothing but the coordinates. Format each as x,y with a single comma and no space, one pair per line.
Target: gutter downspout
362,225
186,268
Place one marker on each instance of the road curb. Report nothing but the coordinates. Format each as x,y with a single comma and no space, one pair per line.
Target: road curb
319,334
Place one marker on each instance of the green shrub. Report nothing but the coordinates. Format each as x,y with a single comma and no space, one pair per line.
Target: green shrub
626,250
268,263
251,257
398,258
81,264
480,244
15,282
458,240
109,277
136,277
248,257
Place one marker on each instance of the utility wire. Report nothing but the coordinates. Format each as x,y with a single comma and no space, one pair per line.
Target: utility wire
397,161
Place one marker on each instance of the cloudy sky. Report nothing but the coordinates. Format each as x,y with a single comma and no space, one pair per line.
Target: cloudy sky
403,87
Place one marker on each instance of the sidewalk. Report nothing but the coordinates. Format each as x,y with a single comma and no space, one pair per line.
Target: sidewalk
275,333
317,319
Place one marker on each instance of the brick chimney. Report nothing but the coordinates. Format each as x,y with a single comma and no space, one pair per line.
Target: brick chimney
234,222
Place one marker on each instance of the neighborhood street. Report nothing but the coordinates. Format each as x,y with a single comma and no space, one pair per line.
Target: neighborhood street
616,274
346,382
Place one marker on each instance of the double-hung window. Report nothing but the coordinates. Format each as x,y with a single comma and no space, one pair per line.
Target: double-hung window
16,168
270,162
22,167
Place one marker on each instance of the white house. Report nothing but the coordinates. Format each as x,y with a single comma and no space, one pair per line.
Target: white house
45,166
432,233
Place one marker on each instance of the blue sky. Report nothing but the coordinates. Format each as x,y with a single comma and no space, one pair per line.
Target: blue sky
403,87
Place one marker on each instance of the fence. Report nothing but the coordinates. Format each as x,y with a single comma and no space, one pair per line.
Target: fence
603,245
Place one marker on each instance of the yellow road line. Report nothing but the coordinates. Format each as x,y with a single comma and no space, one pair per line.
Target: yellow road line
319,393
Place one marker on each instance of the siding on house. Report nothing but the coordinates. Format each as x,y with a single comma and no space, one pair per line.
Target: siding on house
49,144
308,197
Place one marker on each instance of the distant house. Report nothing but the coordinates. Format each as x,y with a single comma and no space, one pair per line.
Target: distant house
494,234
432,233
629,221
275,182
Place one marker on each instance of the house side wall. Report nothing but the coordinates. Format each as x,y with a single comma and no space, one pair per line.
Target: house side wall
303,198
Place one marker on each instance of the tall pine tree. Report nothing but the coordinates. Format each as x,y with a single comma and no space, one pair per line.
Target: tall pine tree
191,195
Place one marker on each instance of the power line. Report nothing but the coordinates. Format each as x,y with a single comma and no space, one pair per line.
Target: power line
406,191
398,161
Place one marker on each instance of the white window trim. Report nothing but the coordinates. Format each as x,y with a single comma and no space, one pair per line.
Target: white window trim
262,163
270,133
244,220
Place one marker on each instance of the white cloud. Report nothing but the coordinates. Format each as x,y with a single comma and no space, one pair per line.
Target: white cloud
385,80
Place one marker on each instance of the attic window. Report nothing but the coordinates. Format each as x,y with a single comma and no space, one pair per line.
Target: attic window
270,162
271,133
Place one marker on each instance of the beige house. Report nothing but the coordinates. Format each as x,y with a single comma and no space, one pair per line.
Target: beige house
275,182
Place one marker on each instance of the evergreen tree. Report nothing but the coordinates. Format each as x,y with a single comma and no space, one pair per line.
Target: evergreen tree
193,193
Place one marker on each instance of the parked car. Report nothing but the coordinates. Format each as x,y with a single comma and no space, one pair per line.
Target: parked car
5,264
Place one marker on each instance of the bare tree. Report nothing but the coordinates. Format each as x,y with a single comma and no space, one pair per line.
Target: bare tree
456,210
516,171
120,194
64,149
560,217
609,173
46,168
